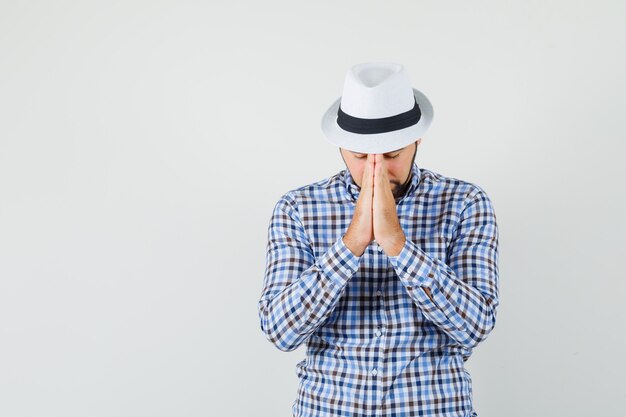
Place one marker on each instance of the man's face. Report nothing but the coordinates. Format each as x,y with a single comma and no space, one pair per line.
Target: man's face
399,163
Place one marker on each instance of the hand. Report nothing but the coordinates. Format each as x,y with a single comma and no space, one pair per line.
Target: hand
361,230
387,230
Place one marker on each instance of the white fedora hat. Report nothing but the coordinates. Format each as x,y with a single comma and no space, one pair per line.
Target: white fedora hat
378,112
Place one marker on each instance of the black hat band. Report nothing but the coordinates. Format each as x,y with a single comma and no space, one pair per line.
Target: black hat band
381,125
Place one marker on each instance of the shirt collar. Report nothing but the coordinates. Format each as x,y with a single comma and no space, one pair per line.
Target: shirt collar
353,190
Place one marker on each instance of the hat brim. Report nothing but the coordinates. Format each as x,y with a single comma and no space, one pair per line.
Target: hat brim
377,142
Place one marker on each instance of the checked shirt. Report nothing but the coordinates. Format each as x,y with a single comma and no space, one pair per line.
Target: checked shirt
376,343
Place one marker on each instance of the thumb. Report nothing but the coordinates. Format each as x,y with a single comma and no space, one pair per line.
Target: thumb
368,176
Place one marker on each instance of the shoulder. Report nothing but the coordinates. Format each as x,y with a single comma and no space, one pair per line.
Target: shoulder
460,190
318,192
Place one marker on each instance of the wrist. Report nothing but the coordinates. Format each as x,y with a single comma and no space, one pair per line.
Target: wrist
394,246
354,247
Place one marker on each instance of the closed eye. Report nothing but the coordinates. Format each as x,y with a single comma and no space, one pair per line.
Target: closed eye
365,156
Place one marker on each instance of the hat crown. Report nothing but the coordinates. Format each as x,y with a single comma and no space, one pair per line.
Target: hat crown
377,89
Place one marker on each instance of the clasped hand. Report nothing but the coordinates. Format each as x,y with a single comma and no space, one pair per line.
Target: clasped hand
375,215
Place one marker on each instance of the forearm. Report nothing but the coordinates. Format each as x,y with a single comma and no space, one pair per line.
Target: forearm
290,316
461,310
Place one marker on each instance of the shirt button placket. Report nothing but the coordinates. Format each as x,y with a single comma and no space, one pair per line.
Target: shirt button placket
375,371
378,399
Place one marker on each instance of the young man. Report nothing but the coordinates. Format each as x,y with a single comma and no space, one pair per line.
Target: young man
387,271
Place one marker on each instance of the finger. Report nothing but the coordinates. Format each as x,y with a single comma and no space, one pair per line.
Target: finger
366,182
383,165
379,172
364,177
369,184
382,186
369,168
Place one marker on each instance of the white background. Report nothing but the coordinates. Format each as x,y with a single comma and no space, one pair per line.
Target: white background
143,145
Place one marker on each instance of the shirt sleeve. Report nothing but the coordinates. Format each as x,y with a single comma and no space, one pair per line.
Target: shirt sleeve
299,292
464,292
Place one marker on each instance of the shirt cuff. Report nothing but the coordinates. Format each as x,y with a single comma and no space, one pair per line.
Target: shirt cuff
338,263
413,266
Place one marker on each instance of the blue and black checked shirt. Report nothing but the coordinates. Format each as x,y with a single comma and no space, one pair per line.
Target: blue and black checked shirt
377,344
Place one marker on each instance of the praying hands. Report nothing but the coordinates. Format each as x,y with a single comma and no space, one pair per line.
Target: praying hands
375,216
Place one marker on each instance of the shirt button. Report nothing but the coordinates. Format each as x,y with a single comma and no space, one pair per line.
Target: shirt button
379,293
374,372
380,249
379,333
